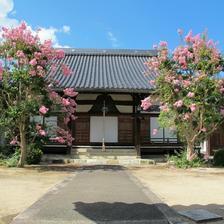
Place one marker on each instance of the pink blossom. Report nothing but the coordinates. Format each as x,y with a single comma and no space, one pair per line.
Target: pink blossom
60,54
20,54
37,55
73,117
154,131
73,103
163,43
188,38
221,89
53,95
58,139
193,107
178,103
43,110
65,102
14,141
42,132
204,129
70,92
176,82
190,95
1,70
32,72
65,70
152,82
33,62
145,104
186,83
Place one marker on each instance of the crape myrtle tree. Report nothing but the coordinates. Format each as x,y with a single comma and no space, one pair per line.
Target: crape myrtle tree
189,88
27,87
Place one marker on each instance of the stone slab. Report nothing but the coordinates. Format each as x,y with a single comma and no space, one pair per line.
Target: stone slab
95,195
200,215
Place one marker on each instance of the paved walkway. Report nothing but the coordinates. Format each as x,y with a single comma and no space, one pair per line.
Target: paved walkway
101,195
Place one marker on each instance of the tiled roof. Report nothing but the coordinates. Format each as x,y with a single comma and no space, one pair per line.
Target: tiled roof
106,70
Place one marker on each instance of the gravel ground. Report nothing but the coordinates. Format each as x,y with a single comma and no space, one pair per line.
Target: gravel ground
186,189
20,188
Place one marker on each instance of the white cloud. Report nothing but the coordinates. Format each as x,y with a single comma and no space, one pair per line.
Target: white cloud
66,29
6,6
7,9
112,39
51,33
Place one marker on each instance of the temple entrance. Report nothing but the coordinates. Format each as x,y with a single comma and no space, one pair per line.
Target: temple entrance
103,128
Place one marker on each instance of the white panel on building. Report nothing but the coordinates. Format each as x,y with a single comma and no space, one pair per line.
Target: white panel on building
37,119
51,124
83,108
170,136
124,109
121,97
154,125
91,96
106,128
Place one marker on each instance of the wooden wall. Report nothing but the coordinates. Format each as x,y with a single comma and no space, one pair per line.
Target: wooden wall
81,130
217,139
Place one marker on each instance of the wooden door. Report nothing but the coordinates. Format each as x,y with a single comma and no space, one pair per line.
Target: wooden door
81,130
125,129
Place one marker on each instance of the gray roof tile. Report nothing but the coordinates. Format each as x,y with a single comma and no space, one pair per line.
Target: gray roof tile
106,70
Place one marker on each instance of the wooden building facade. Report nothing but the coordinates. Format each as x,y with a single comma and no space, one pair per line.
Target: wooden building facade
116,119
111,85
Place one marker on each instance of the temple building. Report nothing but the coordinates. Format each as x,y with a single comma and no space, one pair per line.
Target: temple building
111,85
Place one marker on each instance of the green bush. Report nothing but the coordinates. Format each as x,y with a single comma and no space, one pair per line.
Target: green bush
34,154
7,150
13,160
180,160
219,157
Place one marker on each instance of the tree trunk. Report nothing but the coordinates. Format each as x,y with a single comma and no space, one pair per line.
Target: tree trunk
23,145
191,154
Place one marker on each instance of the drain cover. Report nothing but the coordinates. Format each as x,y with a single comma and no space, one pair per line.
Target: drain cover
200,215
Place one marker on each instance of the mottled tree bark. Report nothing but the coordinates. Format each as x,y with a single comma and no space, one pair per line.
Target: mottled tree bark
23,145
191,154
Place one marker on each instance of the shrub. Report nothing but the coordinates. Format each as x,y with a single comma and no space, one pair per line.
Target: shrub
34,154
7,150
180,160
13,160
219,158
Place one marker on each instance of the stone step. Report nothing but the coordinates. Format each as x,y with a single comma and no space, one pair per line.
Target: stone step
61,159
89,152
103,157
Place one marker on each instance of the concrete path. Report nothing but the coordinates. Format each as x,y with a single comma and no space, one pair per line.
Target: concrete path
101,195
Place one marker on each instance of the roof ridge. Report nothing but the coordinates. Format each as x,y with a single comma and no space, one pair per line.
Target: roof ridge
118,52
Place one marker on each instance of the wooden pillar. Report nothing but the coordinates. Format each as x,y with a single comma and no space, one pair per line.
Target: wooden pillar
137,125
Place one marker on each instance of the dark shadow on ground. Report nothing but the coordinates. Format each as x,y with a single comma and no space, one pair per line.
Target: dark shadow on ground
75,168
120,211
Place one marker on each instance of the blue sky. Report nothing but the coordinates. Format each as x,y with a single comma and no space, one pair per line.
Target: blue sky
134,24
